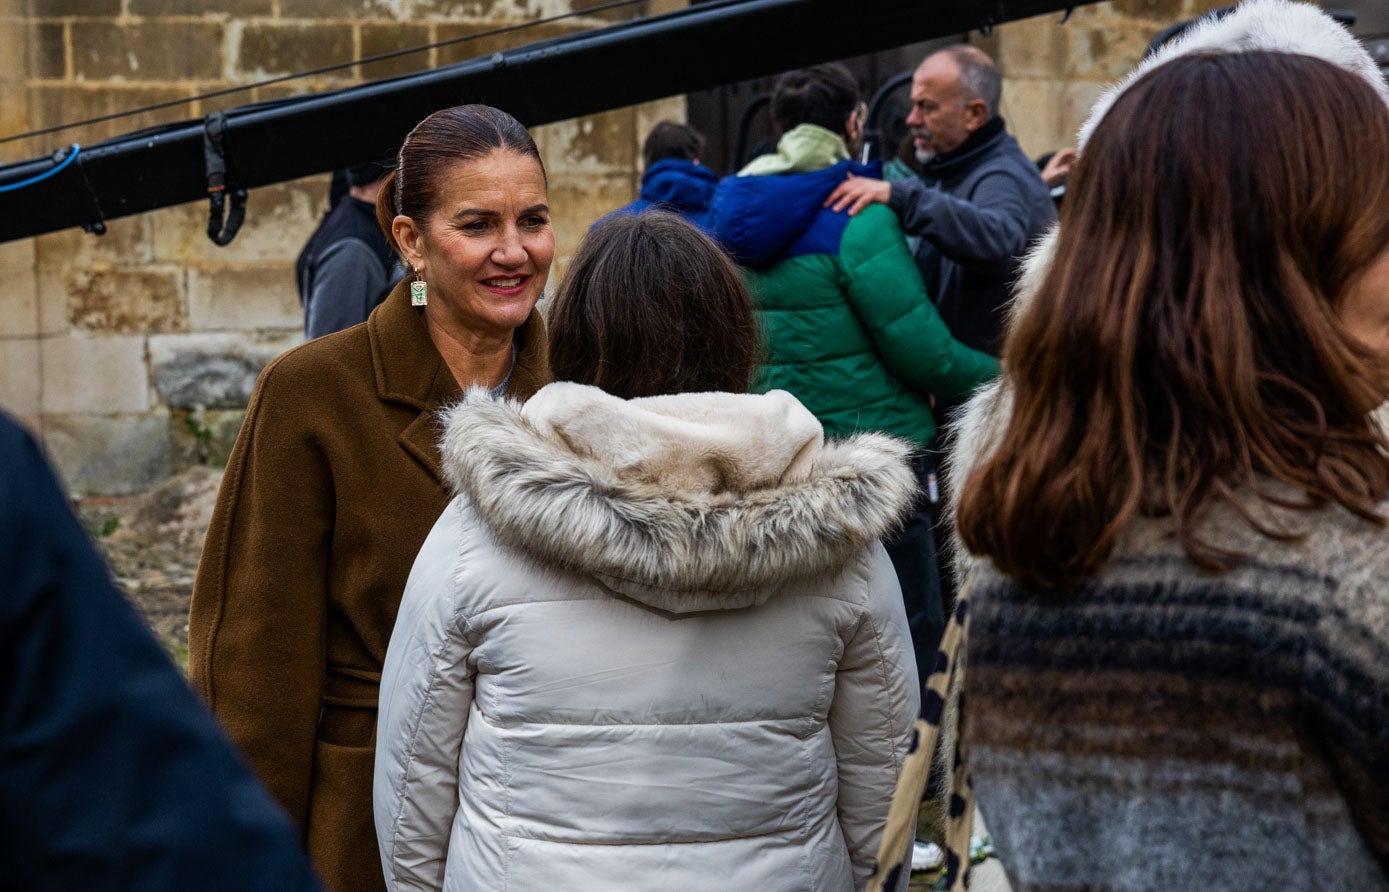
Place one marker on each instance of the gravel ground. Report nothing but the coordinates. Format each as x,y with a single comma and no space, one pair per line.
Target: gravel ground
152,542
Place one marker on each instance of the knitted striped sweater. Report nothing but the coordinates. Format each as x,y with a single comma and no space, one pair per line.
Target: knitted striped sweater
1160,728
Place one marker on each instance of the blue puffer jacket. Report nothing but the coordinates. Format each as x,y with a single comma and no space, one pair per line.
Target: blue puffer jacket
676,185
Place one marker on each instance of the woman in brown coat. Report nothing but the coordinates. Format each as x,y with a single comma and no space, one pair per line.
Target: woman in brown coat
334,482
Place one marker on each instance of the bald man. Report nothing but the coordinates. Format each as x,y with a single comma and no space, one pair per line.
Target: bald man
976,207
979,202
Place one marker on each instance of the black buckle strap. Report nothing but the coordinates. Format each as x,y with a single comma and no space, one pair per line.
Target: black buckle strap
220,230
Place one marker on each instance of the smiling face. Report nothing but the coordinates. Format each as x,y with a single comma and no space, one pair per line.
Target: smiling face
485,252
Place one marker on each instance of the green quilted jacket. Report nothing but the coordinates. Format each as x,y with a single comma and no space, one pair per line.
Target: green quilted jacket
849,329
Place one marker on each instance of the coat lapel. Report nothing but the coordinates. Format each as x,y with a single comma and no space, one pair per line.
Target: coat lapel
410,372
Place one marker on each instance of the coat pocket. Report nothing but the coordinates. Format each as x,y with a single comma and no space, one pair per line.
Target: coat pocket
341,834
348,716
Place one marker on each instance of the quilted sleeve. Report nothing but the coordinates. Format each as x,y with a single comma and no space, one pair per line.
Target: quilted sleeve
876,701
426,693
888,296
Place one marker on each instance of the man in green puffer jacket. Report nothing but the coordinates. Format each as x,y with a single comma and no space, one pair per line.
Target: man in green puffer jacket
849,328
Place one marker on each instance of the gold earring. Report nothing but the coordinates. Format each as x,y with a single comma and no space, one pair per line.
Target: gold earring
419,294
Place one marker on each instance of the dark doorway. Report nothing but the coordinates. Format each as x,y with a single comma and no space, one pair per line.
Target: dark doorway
719,113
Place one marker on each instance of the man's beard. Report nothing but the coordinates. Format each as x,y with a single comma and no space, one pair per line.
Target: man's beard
921,147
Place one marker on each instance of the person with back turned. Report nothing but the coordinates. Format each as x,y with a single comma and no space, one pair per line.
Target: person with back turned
850,330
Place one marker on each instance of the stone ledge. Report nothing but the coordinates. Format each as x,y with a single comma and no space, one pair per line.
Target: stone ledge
19,375
127,301
108,455
94,375
240,299
211,371
106,51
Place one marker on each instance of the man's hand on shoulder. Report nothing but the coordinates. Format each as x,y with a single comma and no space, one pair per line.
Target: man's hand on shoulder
857,193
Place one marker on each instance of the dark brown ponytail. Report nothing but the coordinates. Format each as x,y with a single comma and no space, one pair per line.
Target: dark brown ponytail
386,210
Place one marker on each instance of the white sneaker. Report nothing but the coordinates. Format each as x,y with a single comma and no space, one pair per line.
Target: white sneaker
926,855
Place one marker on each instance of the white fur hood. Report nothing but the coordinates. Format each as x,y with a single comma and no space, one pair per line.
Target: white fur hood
687,502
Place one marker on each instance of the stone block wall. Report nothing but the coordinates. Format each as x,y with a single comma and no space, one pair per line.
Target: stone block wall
132,354
1053,73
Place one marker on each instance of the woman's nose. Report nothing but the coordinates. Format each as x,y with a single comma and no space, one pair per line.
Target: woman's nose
510,251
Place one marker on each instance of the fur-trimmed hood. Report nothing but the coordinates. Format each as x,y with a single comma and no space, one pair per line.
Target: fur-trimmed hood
1257,25
687,502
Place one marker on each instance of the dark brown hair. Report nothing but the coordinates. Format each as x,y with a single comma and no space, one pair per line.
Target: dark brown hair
461,133
1184,346
671,140
822,94
650,305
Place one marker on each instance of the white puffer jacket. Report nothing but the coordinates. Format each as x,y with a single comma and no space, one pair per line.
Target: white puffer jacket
650,645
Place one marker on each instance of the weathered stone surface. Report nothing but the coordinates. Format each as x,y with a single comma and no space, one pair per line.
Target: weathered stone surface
202,437
1078,98
339,9
388,38
14,118
279,219
55,8
19,375
493,10
128,242
47,49
54,104
1033,111
151,50
1032,48
244,299
273,48
578,201
210,371
1107,53
207,380
108,455
96,375
19,308
605,143
220,9
1166,11
127,301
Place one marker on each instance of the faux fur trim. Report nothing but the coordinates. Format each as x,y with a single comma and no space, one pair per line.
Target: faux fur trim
675,550
1268,25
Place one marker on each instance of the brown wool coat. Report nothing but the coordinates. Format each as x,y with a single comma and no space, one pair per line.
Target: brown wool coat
330,491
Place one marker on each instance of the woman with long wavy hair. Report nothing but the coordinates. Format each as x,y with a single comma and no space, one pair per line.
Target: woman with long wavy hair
1179,654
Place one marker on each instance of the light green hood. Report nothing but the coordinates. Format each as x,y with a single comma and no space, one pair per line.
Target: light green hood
802,149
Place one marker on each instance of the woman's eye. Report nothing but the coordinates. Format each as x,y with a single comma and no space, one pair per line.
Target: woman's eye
476,226
535,222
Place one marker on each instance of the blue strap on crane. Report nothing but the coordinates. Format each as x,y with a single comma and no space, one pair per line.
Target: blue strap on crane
73,151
